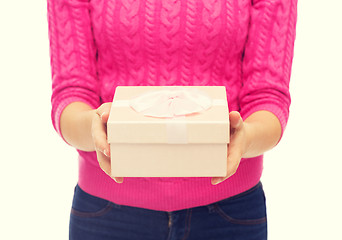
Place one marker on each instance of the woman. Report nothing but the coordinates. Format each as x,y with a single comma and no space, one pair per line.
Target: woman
245,45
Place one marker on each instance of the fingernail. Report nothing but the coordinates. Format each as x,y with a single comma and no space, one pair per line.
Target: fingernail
116,180
216,181
105,152
102,115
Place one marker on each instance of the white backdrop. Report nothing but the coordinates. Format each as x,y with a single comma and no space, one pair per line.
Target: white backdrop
302,175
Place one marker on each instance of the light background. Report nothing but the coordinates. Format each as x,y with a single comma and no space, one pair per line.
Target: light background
302,175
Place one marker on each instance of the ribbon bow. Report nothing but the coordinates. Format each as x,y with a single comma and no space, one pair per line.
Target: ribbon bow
171,102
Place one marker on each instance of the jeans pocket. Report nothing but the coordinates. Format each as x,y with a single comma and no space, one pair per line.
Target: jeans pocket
87,205
247,208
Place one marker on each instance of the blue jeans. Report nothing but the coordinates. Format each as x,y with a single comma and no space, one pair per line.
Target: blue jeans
241,217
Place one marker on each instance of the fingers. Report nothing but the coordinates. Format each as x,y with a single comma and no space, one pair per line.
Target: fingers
235,120
100,139
104,162
118,179
105,165
103,111
234,148
99,136
233,161
101,146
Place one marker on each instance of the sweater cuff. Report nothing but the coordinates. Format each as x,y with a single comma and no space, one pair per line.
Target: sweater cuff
273,108
57,112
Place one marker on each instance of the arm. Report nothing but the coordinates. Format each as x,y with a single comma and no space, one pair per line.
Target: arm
260,132
267,60
73,58
76,112
85,129
266,68
263,130
75,123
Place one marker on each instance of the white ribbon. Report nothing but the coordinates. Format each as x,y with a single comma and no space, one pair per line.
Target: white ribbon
171,102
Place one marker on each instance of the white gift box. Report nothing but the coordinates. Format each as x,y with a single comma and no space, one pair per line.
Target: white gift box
168,131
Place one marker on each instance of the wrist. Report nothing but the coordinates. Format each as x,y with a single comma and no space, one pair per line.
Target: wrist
76,121
85,119
262,133
249,129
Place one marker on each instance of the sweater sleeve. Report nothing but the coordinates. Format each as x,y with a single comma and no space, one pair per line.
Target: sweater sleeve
267,59
72,56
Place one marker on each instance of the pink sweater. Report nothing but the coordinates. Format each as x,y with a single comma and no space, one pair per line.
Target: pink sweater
245,45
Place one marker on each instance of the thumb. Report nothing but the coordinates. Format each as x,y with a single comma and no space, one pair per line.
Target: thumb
235,119
103,111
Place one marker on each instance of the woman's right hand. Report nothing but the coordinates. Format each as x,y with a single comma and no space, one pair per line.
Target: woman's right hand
99,135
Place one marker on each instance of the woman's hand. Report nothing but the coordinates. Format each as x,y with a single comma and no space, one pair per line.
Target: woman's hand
260,132
236,147
99,135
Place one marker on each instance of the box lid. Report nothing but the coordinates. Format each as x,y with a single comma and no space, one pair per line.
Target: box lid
126,125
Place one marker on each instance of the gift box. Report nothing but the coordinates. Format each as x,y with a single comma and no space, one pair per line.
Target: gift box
168,131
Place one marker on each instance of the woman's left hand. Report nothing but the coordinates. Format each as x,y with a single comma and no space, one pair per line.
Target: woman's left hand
236,147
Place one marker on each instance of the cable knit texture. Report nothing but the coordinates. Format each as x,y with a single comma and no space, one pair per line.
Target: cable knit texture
245,45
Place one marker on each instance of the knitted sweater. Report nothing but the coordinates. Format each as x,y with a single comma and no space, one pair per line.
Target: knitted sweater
245,45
